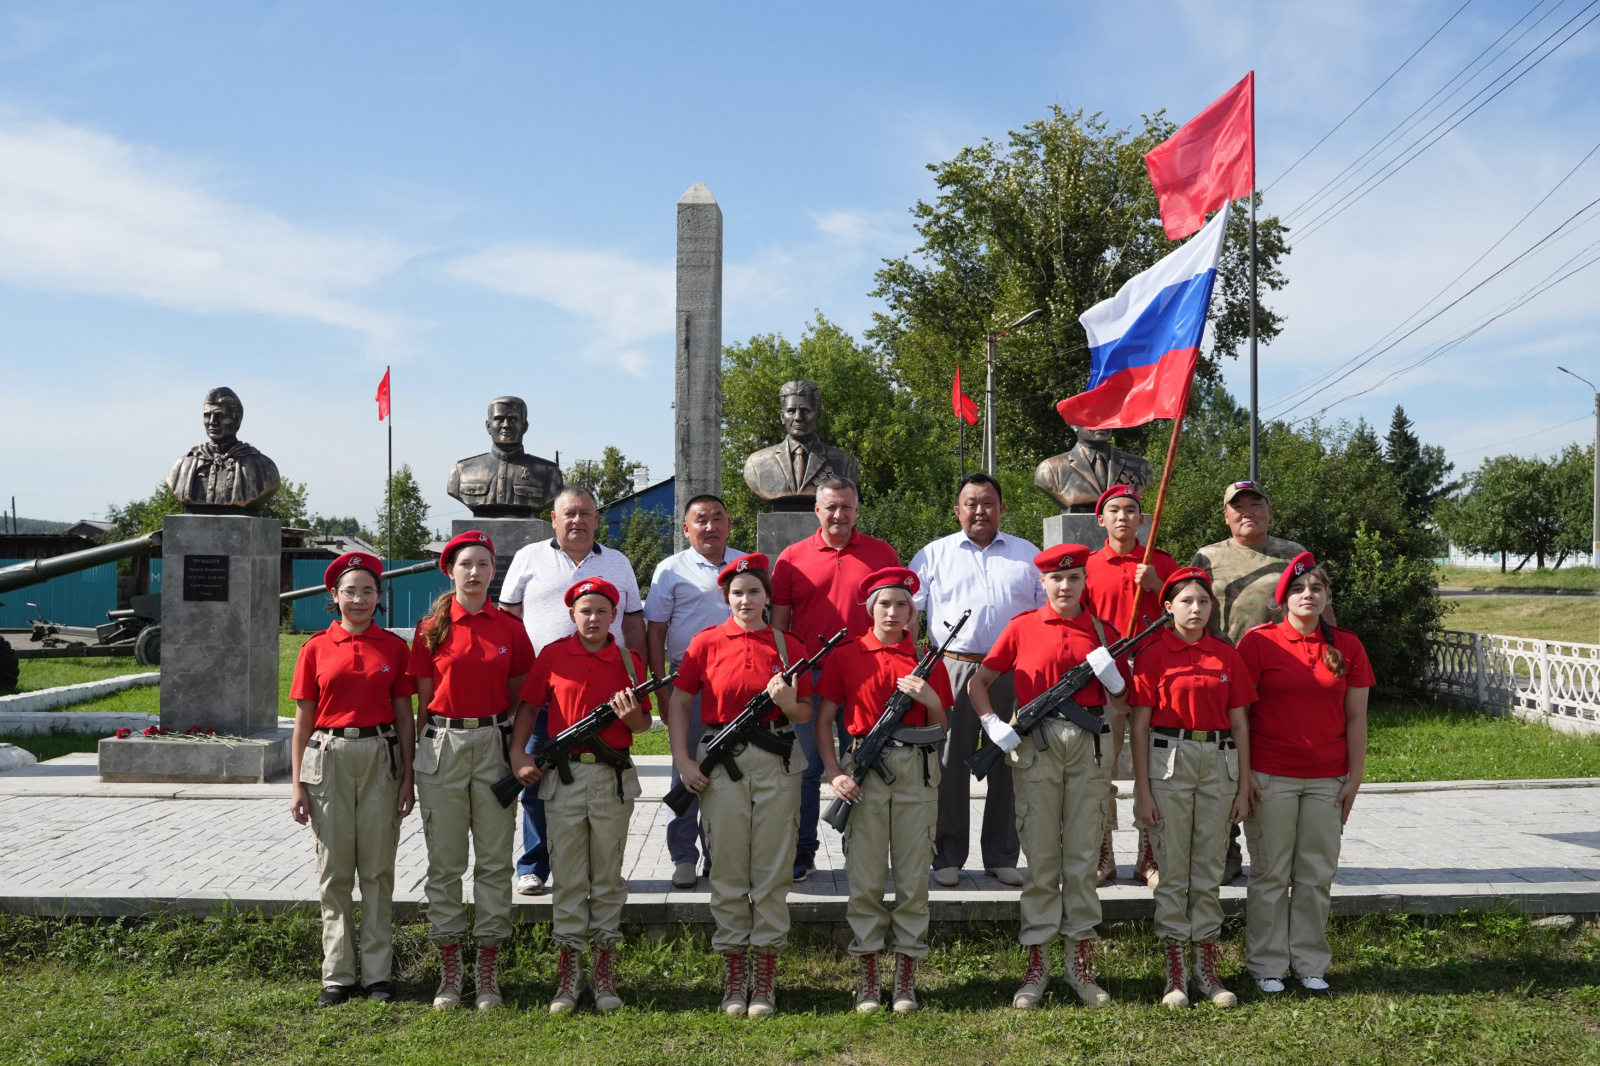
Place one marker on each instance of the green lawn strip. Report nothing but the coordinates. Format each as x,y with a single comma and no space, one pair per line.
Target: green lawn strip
146,700
1568,577
1433,743
1542,617
1488,988
36,674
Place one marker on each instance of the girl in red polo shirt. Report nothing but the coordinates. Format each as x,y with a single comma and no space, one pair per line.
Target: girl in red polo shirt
888,820
351,757
1308,737
588,815
1191,767
470,659
750,824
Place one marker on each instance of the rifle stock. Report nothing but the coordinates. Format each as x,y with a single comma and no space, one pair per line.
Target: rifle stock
1057,699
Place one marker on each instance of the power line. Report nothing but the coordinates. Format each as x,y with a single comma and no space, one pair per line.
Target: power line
1369,96
1525,436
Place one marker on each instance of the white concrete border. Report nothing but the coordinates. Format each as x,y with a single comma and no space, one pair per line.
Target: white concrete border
49,699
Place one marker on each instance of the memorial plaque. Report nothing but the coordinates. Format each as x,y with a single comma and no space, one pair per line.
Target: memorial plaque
205,578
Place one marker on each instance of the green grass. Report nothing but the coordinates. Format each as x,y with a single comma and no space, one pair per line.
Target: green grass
54,745
1543,617
1568,577
1433,743
36,674
128,701
1488,989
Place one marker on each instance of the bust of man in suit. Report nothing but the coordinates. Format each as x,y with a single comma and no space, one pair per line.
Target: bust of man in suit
1076,478
787,473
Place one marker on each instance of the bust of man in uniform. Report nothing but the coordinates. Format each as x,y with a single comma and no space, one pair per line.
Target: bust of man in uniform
787,474
224,475
505,482
1076,478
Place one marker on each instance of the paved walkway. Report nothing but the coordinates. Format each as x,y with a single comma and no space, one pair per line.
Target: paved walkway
71,844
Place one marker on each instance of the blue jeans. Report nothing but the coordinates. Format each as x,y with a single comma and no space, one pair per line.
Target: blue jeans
536,853
686,839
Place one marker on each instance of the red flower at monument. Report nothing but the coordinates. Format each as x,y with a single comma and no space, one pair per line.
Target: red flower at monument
156,731
124,734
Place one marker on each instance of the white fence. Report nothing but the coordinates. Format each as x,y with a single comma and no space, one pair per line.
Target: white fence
1555,681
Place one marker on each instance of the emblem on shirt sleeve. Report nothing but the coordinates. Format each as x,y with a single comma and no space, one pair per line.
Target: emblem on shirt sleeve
1224,679
502,649
384,669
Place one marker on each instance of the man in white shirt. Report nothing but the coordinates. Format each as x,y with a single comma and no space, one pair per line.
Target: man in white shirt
535,591
685,599
992,574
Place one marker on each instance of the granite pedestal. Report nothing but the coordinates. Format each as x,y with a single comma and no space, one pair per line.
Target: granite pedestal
509,535
779,529
219,656
1082,529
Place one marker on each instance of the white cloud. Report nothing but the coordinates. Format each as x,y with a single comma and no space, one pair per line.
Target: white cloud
84,212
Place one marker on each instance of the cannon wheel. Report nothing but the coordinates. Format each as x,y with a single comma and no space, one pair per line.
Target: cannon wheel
147,646
8,669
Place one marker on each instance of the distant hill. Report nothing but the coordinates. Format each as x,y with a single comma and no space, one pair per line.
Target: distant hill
39,525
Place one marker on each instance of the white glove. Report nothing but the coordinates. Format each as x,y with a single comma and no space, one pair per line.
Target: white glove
1000,733
1105,668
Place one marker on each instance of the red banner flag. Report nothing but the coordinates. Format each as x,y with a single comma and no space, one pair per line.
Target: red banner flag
1208,162
961,403
383,396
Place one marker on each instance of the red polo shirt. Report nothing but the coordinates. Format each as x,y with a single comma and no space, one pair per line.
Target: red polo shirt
1041,646
1297,724
473,668
572,681
820,583
1190,686
354,677
726,665
1109,586
861,674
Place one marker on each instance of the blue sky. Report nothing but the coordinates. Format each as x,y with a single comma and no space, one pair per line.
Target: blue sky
286,197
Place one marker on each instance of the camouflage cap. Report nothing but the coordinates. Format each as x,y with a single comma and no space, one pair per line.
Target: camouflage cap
1242,486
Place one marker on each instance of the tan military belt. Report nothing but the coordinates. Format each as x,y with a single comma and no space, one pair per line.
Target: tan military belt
965,656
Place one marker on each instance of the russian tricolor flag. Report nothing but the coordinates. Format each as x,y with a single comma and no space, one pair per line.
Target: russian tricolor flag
1144,341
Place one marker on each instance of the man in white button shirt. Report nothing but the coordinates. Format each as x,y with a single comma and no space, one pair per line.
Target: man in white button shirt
535,591
685,599
992,574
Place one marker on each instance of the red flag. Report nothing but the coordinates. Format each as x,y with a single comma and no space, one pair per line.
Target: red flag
961,403
1208,162
383,396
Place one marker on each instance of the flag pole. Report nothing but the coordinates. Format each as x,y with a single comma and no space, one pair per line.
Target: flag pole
389,610
1255,418
1161,500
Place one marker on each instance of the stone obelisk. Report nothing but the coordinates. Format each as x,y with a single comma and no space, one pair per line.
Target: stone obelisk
697,442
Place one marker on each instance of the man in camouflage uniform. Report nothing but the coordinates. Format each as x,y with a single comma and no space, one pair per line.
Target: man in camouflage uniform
1244,573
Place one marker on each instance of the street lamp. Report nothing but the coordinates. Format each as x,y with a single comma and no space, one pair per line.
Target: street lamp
1594,533
990,449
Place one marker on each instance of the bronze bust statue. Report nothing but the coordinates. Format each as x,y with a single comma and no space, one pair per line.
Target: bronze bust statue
1076,478
787,473
505,482
224,475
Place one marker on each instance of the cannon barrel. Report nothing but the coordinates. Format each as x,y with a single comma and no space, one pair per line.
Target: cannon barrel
300,594
34,571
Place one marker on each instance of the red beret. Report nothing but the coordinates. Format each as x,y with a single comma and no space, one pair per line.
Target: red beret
890,577
1182,574
1115,492
599,586
1062,557
753,561
462,540
351,561
1300,564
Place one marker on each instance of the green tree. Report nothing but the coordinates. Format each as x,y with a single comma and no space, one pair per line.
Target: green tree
288,506
336,526
1420,468
411,534
1572,481
138,517
1058,217
1508,506
610,478
646,540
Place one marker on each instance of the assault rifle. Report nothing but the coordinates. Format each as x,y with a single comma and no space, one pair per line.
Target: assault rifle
1057,699
582,733
869,755
720,751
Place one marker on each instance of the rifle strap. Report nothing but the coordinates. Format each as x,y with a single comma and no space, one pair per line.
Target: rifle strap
633,674
613,758
1099,631
782,646
767,740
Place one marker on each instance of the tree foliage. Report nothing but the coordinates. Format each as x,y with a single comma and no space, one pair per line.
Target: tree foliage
411,535
610,478
1058,217
1528,506
138,517
1420,468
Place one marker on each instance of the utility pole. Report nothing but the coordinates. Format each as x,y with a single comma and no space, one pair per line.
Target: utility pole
1594,531
991,452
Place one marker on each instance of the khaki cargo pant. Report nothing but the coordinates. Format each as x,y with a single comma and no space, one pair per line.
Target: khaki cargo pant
455,769
1060,818
1194,782
586,827
751,827
353,796
1294,851
892,825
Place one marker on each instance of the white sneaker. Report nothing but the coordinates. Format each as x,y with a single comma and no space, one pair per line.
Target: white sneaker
948,877
530,885
1270,986
1316,986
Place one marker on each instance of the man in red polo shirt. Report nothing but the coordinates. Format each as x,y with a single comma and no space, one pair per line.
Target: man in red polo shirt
814,586
1117,574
